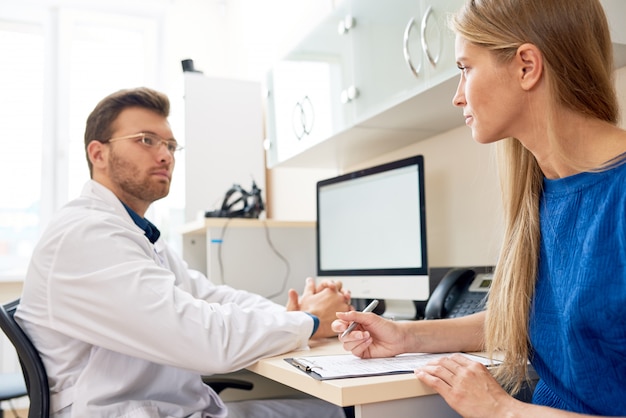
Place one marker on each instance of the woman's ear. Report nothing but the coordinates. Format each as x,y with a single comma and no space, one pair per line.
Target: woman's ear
530,65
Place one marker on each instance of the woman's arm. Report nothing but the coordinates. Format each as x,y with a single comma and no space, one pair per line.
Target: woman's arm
379,337
470,389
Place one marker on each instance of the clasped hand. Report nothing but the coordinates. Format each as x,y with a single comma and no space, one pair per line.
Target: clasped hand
323,300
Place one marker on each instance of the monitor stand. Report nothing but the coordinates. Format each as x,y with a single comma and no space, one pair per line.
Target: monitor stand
405,310
400,310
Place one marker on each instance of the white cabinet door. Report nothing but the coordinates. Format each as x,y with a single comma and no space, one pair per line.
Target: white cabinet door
305,90
303,102
382,55
400,49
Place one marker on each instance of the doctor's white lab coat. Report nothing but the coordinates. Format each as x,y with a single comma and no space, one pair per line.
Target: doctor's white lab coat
125,329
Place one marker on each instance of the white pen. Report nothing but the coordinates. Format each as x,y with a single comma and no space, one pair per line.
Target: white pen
368,308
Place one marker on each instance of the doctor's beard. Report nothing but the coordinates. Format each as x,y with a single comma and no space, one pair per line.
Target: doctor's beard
132,181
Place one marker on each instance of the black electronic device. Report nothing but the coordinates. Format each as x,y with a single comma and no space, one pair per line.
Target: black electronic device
462,291
239,203
188,66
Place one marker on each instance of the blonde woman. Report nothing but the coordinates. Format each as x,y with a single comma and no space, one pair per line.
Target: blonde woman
536,77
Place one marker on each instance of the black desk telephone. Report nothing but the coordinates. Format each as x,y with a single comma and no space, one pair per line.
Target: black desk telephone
461,292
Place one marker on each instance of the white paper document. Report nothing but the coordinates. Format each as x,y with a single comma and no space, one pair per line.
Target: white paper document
348,365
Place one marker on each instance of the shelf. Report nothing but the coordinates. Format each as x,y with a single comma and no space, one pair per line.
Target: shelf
200,226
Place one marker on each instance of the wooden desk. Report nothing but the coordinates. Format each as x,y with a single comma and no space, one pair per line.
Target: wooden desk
389,396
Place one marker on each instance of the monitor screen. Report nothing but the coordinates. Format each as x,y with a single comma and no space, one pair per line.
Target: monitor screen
371,231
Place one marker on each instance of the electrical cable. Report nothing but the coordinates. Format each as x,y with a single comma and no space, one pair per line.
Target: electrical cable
220,260
219,251
280,256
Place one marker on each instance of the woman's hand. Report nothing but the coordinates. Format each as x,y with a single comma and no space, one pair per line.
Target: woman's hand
374,336
467,386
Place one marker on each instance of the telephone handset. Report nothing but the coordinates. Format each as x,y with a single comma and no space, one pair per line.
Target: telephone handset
461,292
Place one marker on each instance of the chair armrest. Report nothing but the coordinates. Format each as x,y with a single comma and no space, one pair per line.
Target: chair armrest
218,384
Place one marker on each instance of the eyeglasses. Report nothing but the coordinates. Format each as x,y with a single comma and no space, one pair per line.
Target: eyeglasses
150,141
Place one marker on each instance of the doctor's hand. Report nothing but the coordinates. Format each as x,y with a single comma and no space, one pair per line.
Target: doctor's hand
467,386
333,285
374,335
323,301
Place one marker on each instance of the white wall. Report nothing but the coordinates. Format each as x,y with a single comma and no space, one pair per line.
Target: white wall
238,39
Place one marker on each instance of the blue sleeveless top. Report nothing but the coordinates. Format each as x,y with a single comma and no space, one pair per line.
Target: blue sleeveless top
578,315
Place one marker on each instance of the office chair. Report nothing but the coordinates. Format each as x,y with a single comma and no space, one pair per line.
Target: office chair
12,386
32,367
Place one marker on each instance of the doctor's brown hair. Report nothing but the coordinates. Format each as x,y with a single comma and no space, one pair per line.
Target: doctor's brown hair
578,65
99,125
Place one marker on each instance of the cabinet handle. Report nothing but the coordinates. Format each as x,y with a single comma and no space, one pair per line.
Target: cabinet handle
434,61
346,24
297,124
349,94
309,119
407,53
301,120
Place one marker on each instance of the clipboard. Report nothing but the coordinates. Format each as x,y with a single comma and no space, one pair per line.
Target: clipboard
317,373
343,366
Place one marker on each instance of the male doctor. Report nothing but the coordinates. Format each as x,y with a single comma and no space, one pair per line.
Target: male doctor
124,328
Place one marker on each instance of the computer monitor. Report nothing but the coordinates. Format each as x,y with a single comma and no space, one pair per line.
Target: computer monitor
371,231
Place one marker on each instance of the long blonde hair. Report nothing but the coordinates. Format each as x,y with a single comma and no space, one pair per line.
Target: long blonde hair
578,65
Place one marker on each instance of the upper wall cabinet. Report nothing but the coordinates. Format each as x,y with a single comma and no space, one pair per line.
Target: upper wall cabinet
400,48
307,91
373,77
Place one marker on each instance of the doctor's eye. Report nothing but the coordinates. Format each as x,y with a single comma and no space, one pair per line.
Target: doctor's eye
149,140
153,141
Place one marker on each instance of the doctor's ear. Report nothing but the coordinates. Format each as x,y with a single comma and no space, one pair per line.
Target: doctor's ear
96,151
530,65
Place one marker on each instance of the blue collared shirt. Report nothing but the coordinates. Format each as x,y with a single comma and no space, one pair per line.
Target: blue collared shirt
152,232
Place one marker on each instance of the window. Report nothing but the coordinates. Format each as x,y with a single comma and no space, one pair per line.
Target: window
101,53
21,133
45,101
